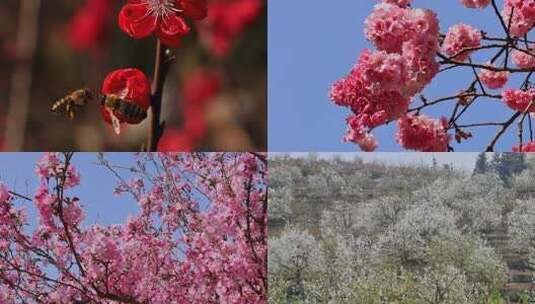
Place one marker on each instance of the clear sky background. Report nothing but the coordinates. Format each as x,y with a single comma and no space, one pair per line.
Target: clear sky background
95,192
314,43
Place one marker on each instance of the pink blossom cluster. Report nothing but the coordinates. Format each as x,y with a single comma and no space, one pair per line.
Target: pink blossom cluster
523,16
200,237
475,3
4,193
459,40
520,100
423,134
357,133
493,79
401,3
50,166
527,147
523,59
380,86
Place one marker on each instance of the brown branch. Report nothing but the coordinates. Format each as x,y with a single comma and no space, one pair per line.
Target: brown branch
162,64
447,60
20,196
60,188
502,22
501,131
521,125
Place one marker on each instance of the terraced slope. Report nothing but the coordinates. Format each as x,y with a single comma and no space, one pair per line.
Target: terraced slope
521,276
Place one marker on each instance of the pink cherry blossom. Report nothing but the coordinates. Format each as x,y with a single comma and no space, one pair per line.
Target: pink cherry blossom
459,40
523,59
380,86
526,147
493,79
72,177
388,27
44,202
4,193
520,100
401,3
358,131
475,3
423,134
409,50
373,86
523,16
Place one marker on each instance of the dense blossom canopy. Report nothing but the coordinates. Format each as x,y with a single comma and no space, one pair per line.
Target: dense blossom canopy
200,235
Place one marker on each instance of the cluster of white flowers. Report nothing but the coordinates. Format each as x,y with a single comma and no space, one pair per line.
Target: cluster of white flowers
295,252
477,201
523,185
279,207
521,222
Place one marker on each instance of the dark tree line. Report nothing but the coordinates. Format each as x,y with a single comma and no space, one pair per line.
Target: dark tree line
504,164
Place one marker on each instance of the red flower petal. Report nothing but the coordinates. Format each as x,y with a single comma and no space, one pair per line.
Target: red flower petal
135,21
194,9
174,25
171,30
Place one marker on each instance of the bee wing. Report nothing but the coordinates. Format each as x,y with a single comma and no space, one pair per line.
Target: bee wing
115,123
80,102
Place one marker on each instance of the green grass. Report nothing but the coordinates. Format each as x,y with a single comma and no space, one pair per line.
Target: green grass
496,298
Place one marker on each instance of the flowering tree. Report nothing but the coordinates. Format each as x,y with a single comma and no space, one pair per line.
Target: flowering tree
200,235
436,239
477,200
424,255
411,51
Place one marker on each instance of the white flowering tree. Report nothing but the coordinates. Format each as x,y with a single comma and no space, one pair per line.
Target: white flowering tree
522,228
294,257
523,185
477,200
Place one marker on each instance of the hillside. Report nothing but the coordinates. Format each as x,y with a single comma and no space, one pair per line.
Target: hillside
354,232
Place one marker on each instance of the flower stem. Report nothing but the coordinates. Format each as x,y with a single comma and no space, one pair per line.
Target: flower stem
161,67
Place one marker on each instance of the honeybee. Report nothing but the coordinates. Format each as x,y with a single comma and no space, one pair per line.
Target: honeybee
70,103
117,105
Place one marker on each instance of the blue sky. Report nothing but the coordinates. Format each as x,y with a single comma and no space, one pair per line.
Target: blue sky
313,43
95,192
